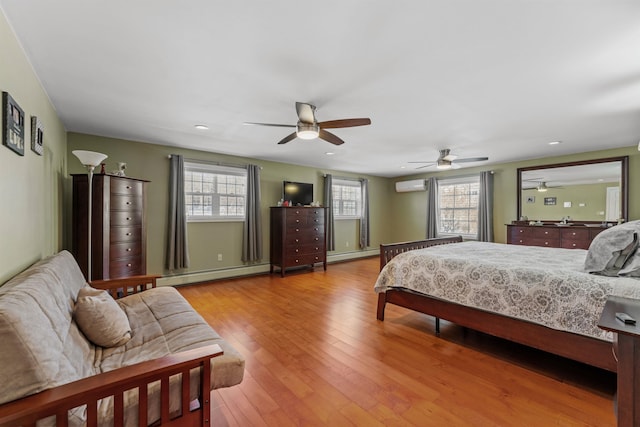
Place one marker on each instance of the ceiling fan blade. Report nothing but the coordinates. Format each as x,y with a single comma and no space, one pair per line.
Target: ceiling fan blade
424,166
306,112
288,138
450,157
344,123
269,124
472,159
329,137
426,161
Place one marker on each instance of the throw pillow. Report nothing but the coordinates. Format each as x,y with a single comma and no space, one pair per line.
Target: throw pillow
613,250
100,318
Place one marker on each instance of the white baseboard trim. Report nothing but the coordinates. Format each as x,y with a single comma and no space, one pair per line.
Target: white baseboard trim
227,273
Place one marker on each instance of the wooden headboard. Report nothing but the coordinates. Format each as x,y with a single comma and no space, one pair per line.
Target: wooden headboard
388,251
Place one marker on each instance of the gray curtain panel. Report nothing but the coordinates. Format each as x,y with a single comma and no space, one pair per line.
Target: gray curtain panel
328,203
252,241
432,208
177,247
485,208
364,219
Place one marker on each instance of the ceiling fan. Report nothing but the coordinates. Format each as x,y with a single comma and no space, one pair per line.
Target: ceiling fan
449,161
309,128
541,186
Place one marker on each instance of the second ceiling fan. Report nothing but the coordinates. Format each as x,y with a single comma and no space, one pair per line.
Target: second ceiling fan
309,128
446,160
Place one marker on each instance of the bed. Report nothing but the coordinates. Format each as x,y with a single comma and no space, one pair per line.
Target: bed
539,297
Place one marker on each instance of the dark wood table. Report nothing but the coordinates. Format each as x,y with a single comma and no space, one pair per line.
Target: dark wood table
626,348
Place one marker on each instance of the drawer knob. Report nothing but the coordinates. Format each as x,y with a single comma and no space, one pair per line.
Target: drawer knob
522,231
297,220
520,241
129,265
297,240
297,250
574,245
297,229
546,232
317,238
128,249
128,187
128,219
129,234
128,203
546,243
297,261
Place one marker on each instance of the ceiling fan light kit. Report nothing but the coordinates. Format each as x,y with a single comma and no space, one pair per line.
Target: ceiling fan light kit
308,131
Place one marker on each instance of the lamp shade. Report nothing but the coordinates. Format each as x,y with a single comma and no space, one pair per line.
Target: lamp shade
89,158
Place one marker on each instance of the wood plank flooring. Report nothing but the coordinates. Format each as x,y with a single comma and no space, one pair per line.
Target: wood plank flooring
317,356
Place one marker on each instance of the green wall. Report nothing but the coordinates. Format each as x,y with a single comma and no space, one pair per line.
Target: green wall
208,239
409,209
31,187
592,197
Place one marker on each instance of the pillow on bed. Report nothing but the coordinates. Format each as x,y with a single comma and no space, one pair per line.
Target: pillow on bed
614,251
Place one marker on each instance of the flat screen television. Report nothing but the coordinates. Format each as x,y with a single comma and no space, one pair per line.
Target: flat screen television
297,193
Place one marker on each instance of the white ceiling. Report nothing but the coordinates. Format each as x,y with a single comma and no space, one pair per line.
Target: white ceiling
496,78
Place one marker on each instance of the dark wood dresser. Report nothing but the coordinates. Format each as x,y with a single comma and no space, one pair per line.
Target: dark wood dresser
118,225
298,237
551,235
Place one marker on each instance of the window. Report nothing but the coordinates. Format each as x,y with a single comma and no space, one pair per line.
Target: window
458,206
214,193
347,198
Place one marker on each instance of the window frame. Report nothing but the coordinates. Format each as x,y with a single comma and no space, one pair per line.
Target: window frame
353,183
457,181
215,169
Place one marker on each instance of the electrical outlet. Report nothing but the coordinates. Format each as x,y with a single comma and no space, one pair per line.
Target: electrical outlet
219,257
347,244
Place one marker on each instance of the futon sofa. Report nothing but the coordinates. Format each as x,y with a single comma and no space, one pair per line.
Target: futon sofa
159,369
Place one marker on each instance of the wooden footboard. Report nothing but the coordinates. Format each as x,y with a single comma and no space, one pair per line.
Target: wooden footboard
388,251
581,348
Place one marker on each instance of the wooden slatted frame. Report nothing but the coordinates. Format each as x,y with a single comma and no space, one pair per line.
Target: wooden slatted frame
88,391
581,348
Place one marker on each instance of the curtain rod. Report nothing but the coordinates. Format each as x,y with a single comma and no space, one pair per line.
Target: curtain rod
210,162
345,178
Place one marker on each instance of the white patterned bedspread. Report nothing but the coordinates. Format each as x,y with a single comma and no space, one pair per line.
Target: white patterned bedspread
547,286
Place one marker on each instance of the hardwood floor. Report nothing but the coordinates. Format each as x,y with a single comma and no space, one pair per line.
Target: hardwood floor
316,355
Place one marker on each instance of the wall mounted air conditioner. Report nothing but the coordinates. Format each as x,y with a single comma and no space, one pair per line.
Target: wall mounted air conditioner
413,185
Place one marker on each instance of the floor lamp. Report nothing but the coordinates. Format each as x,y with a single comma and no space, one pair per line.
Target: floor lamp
90,159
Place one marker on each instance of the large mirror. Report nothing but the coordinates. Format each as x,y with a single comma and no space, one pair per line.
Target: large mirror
586,191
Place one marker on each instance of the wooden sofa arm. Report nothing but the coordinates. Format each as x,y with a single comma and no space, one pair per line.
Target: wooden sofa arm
126,285
87,391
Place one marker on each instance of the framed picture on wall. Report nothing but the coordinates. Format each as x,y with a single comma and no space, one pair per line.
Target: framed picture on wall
12,124
549,200
37,135
531,199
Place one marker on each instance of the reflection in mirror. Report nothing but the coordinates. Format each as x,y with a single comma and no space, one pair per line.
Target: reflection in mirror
588,191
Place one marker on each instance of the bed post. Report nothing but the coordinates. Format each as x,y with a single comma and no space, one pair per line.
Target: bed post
382,301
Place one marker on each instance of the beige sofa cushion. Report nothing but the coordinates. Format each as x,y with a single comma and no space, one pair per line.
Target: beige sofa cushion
100,318
47,348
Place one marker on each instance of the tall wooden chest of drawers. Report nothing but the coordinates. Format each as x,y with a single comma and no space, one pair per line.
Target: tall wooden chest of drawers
118,222
298,237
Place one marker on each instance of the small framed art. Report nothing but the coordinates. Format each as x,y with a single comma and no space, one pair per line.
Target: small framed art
37,135
12,124
531,199
549,200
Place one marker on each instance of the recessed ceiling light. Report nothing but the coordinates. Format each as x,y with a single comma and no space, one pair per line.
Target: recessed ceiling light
201,127
403,167
329,153
555,142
